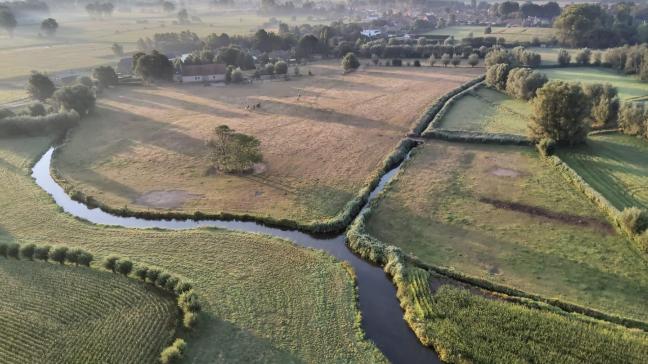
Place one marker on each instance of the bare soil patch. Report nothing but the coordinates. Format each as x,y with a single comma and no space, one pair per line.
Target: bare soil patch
166,199
505,172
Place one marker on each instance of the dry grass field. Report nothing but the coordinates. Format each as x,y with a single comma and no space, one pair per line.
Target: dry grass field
500,213
145,147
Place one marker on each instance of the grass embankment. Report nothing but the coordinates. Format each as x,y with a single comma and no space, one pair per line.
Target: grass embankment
53,313
616,165
489,111
501,214
264,299
512,34
145,147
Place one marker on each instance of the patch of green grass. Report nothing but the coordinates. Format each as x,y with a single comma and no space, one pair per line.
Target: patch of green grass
264,299
512,34
435,210
630,88
488,110
64,314
466,327
616,165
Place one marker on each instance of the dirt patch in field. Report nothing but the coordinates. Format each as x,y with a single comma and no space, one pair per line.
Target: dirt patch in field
505,172
166,199
595,224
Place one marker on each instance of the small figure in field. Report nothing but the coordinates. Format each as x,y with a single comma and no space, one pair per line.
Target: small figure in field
310,73
298,95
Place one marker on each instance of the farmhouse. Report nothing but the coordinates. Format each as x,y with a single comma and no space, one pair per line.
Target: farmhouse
203,73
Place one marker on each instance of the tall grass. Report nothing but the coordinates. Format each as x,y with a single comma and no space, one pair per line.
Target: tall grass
24,125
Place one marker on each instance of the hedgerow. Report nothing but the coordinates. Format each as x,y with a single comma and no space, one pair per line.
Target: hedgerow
477,137
26,125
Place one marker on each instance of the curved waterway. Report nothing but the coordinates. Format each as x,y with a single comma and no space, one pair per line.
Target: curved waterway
382,317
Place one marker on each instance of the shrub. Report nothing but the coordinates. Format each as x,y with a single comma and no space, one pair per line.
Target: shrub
79,98
350,62
85,258
417,63
432,61
234,152
583,56
280,68
27,251
546,146
13,250
58,254
522,83
140,272
110,263
171,284
456,60
124,266
188,301
162,279
498,56
596,58
152,274
42,253
85,81
397,62
561,113
39,86
632,119
4,250
634,220
5,113
445,59
105,75
36,109
189,319
473,59
173,354
497,75
72,256
604,101
183,286
563,57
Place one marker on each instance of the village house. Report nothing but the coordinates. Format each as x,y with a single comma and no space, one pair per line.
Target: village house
202,73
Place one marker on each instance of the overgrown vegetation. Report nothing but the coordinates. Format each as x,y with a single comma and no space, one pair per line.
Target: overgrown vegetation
234,152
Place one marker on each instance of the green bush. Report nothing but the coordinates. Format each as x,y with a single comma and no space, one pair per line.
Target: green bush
188,301
124,266
140,272
563,57
13,250
58,254
173,354
110,263
350,62
523,83
497,76
546,146
583,56
498,56
42,253
4,250
634,220
604,101
280,68
152,275
85,258
633,119
27,251
162,279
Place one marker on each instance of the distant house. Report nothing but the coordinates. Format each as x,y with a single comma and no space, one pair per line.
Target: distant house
371,33
202,73
125,66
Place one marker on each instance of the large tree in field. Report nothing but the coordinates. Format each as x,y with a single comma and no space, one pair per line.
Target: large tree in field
105,75
49,26
39,86
7,21
586,25
350,62
561,112
307,46
154,66
79,98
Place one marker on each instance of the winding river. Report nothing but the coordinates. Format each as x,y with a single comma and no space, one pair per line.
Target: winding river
382,317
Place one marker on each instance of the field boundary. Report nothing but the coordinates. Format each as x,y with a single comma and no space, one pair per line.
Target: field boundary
476,137
436,122
433,111
180,291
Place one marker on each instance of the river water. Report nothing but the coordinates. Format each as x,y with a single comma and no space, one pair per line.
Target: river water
382,317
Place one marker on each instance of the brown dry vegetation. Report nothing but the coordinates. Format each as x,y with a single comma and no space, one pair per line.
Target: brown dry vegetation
318,150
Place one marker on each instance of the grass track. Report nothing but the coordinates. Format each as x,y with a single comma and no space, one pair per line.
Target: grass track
52,313
264,299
